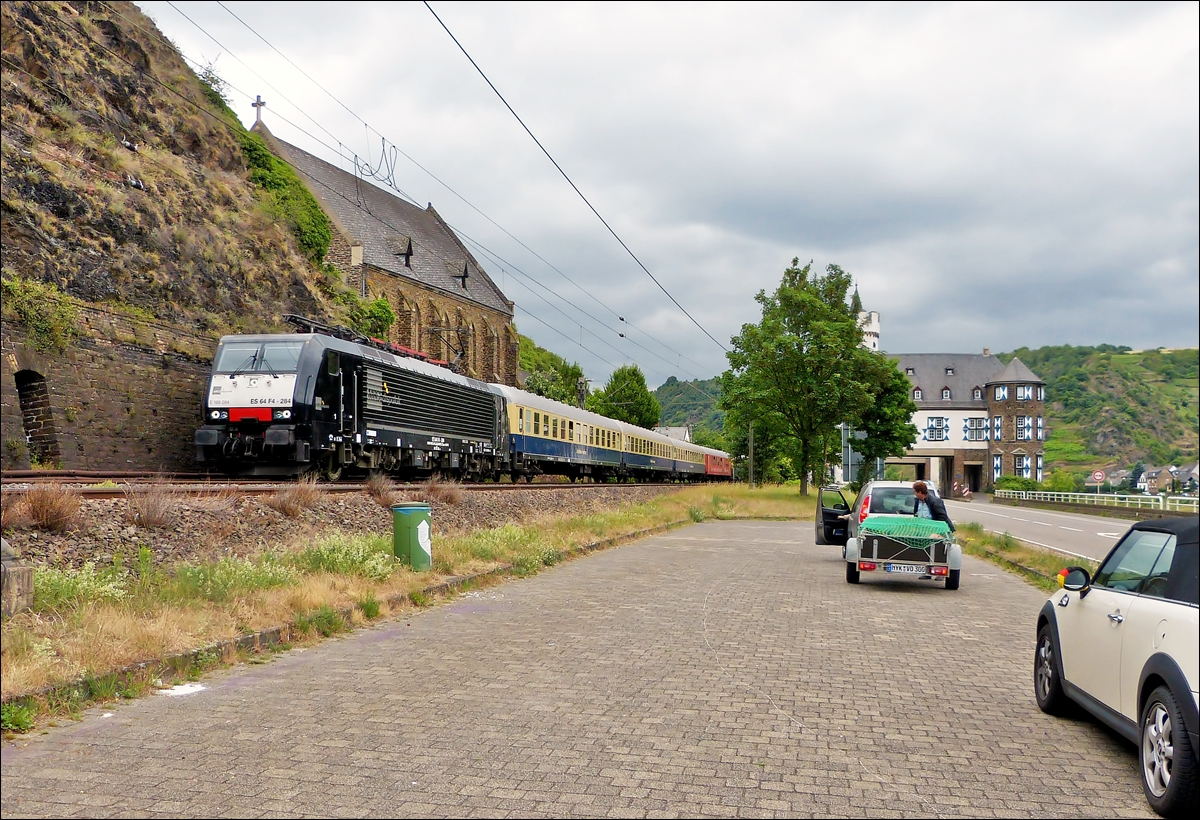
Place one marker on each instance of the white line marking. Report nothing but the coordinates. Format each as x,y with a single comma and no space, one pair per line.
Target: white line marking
989,512
1110,534
1072,529
1041,523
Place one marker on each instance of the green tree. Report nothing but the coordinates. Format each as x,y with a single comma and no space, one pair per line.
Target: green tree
802,369
372,318
550,375
626,398
887,422
558,384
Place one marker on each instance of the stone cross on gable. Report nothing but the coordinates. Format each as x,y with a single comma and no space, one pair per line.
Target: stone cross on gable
258,105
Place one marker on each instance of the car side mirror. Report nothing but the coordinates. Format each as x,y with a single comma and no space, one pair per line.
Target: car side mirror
1075,579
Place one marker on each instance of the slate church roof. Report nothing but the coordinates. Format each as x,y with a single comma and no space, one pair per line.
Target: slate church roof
393,231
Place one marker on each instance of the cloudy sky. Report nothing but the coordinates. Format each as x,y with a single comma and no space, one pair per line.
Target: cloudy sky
991,175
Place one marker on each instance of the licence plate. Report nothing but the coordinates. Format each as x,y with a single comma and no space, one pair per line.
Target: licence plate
912,569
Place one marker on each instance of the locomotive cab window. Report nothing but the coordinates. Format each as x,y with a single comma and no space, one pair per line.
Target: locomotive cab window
258,357
331,362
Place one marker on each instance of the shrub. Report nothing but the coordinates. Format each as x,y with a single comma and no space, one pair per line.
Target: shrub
287,198
367,557
52,507
1012,482
293,500
48,314
697,514
56,589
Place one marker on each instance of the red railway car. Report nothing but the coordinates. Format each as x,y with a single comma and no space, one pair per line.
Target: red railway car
720,466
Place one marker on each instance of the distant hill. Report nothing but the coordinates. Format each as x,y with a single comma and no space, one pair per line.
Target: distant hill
1110,406
692,402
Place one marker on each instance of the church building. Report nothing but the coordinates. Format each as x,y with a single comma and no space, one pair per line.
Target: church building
446,305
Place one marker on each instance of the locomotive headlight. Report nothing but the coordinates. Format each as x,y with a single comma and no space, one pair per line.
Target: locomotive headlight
283,414
218,415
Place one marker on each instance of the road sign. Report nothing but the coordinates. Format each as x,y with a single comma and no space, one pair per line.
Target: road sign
1098,476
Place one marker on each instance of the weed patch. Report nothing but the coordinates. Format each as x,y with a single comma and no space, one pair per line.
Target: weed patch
230,577
369,606
57,589
325,621
17,716
366,557
382,489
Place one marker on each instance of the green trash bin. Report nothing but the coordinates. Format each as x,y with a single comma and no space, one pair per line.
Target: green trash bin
412,537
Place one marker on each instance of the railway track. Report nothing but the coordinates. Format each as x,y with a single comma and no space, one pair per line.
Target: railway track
100,485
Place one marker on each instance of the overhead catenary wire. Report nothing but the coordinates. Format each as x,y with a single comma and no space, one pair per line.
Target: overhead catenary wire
340,145
389,179
569,180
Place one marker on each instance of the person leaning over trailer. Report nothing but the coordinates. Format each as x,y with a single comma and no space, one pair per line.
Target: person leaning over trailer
930,506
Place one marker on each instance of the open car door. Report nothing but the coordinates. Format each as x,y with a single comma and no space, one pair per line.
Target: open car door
831,529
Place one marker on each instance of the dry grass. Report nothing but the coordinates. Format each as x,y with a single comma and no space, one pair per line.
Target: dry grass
295,499
52,507
224,502
435,489
153,506
14,514
382,489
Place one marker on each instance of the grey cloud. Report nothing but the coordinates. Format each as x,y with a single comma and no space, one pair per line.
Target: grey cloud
993,176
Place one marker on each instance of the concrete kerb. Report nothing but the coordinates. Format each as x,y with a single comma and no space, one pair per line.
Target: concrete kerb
258,641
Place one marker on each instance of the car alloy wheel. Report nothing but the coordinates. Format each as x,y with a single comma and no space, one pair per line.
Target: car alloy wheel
1158,749
1047,685
1168,760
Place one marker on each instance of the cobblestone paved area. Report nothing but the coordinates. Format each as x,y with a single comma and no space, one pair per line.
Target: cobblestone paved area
721,669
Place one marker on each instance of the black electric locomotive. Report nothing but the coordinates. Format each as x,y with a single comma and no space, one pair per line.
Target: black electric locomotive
314,402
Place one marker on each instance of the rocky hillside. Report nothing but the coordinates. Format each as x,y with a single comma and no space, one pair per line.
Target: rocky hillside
127,181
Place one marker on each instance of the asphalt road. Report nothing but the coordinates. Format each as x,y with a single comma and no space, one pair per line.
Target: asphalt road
723,669
1091,536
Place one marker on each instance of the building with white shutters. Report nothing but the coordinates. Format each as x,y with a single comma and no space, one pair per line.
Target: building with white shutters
977,419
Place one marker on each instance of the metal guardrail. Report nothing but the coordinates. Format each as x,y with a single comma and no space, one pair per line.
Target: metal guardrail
1169,503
